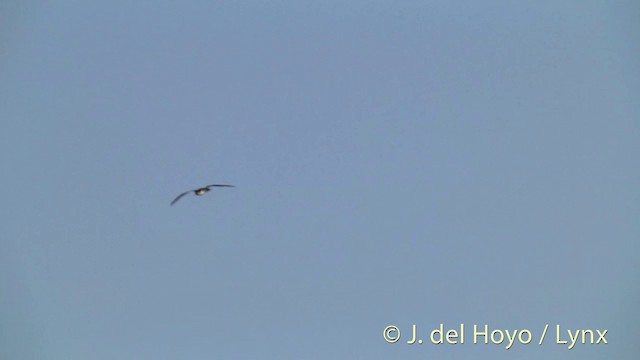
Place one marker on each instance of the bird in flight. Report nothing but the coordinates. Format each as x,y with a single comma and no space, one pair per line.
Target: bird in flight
199,192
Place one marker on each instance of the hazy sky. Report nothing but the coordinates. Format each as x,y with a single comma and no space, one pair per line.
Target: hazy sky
396,163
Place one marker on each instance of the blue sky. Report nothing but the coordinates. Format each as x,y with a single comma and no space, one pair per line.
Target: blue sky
420,162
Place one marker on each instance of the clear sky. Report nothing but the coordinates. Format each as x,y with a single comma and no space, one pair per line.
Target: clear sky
395,163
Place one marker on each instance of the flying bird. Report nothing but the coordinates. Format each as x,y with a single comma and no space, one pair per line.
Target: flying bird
199,192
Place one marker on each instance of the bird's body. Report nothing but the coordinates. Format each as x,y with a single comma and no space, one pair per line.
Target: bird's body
200,191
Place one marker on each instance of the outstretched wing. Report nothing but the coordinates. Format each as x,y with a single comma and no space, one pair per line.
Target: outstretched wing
219,185
180,197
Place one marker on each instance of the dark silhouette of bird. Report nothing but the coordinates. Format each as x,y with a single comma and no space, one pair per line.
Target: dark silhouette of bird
200,191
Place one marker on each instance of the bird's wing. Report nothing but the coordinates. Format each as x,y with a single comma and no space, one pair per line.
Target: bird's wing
180,196
220,185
